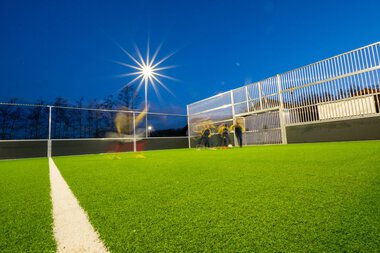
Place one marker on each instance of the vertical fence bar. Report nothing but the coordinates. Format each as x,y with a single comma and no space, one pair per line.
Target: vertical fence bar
376,78
188,126
247,97
49,140
281,112
134,131
233,114
146,125
260,95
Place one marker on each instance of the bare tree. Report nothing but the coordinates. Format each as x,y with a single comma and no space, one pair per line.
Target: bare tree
128,97
109,103
94,118
15,116
77,118
9,114
61,120
37,118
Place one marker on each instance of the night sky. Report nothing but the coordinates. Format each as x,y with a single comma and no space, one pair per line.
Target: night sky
68,48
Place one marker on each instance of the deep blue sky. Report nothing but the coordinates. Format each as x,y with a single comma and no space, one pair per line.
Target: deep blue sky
65,48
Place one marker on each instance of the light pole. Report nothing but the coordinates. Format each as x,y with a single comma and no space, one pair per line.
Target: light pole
146,106
147,71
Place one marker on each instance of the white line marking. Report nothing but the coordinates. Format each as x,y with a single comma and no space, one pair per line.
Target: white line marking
72,228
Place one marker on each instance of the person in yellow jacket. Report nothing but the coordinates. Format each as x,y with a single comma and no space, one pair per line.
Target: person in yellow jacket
239,130
223,130
124,129
203,129
124,121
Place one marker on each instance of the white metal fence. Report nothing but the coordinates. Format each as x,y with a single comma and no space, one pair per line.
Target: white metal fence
62,124
341,87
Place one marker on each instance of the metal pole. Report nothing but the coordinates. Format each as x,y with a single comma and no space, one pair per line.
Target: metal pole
188,126
134,131
146,107
281,112
233,114
49,140
260,95
247,97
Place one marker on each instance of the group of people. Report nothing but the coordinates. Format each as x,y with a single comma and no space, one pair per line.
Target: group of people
223,131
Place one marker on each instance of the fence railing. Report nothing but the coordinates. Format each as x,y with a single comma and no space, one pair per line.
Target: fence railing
341,87
60,124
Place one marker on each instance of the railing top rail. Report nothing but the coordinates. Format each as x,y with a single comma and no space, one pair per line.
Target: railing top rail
215,96
238,88
333,57
21,104
274,76
90,109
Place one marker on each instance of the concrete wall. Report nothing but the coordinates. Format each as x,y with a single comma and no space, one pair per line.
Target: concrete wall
345,130
81,147
22,149
29,149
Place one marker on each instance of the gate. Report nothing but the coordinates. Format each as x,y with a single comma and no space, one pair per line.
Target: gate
262,128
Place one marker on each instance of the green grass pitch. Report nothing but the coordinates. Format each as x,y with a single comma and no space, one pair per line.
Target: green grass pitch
25,207
285,198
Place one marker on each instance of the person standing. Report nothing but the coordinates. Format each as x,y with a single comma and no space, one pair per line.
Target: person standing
239,130
224,131
206,134
124,128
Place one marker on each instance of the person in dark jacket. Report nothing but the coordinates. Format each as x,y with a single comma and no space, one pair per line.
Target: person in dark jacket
206,134
239,130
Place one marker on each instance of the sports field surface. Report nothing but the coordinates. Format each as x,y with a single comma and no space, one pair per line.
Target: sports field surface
309,197
25,206
282,198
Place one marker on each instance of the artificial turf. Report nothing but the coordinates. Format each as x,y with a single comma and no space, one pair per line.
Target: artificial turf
25,207
288,198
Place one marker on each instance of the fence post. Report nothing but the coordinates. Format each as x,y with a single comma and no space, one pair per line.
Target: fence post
247,97
134,131
233,115
281,112
146,124
49,140
188,126
260,95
